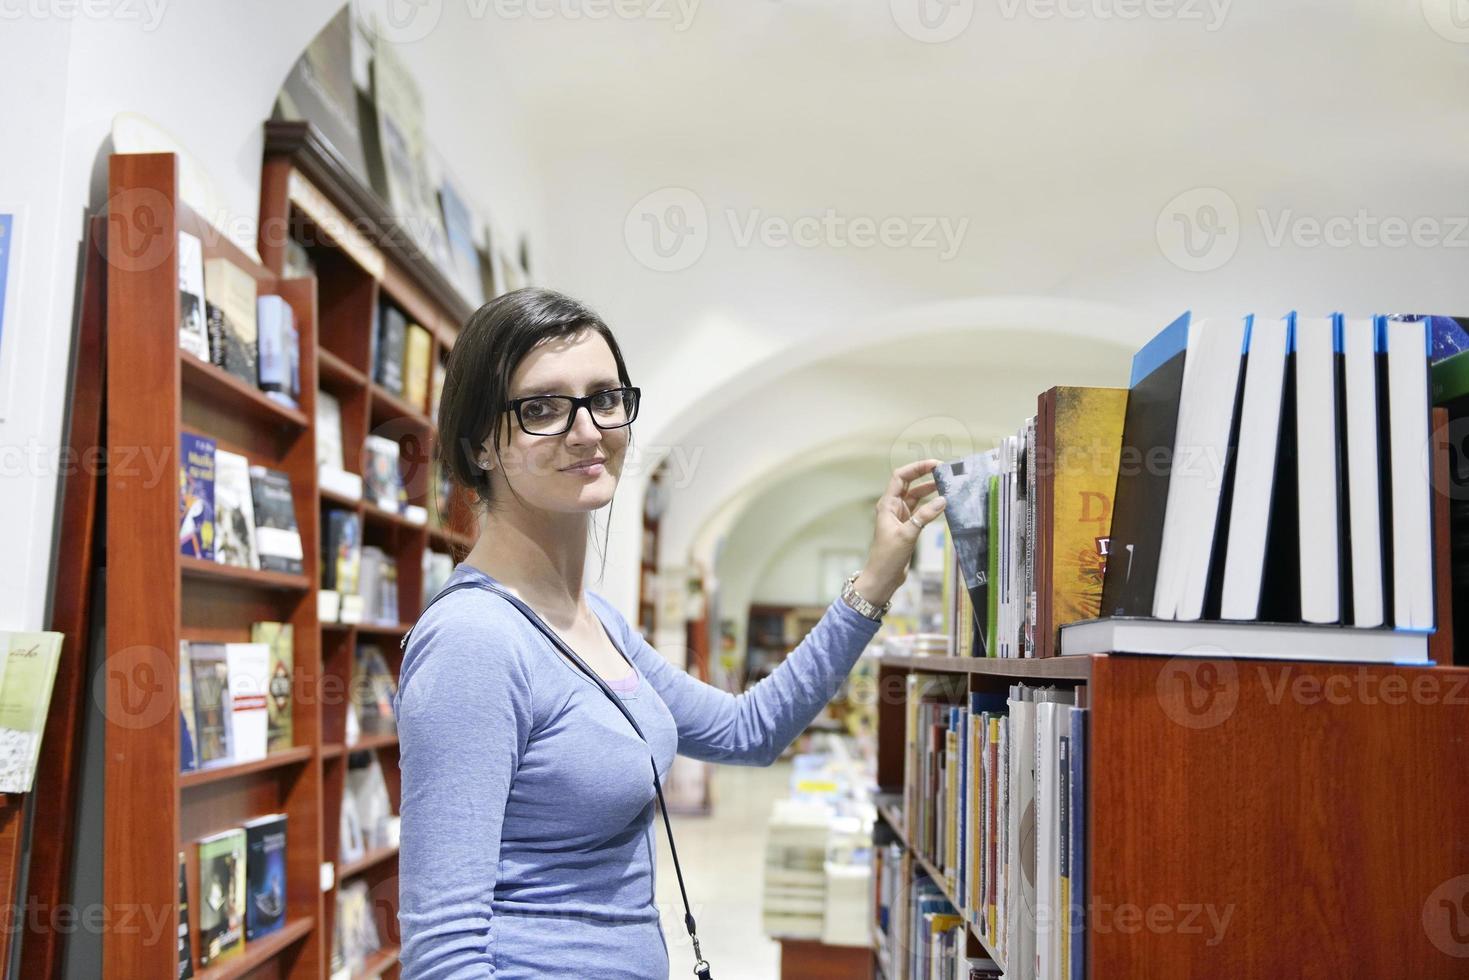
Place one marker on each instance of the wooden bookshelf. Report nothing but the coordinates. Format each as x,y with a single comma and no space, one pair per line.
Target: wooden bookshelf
156,597
1324,819
364,258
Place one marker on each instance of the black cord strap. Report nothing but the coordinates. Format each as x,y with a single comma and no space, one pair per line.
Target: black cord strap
701,965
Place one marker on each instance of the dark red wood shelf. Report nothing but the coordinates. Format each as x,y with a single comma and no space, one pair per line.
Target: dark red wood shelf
219,386
198,568
275,760
371,859
258,952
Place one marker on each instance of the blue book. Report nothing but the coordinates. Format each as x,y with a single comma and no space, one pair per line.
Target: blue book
265,862
196,496
1076,859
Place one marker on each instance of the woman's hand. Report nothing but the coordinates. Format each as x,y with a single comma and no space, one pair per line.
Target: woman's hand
896,533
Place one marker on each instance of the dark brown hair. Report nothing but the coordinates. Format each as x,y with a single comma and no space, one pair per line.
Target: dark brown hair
494,341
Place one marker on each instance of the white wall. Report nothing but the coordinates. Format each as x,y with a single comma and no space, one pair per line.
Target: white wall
207,73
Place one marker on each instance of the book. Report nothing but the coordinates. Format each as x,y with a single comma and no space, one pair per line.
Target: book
188,730
279,353
373,692
196,496
417,352
965,484
1404,372
247,667
234,511
319,90
1318,478
1365,598
221,896
210,674
279,637
277,539
1255,486
231,290
193,328
405,179
328,432
391,342
1282,641
382,480
1078,452
25,699
185,945
459,231
265,862
342,560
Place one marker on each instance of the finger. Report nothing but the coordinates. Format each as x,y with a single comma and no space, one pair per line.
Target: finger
916,493
930,510
909,472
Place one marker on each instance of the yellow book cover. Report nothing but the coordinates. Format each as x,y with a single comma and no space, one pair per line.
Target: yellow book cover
1088,432
416,352
280,637
993,739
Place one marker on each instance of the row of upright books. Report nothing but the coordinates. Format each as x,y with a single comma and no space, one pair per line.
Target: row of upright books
235,698
1260,479
242,891
359,583
235,513
921,935
994,797
224,320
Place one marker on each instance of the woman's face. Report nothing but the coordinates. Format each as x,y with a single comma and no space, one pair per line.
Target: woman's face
543,469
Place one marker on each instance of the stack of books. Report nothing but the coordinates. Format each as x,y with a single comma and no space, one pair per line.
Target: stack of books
1262,488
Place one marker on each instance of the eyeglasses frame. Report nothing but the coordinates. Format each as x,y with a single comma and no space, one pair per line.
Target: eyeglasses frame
577,404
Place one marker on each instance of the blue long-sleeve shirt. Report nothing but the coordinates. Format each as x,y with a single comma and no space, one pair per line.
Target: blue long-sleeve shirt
528,809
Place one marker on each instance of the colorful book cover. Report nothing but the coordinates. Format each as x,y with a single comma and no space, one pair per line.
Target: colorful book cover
249,685
964,484
234,512
1088,445
25,698
373,691
280,638
343,561
382,479
186,954
388,370
417,352
277,539
188,737
196,496
232,291
221,896
193,330
265,893
210,673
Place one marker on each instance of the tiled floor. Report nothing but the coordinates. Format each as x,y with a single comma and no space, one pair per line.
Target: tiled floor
723,857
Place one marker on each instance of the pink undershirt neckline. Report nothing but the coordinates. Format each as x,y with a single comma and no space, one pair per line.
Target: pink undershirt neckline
624,685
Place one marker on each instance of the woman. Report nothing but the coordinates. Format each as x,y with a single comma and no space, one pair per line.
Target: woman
527,846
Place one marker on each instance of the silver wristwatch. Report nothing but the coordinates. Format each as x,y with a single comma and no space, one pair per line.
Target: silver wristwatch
863,607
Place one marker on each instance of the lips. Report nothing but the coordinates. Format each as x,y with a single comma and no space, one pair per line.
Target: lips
585,465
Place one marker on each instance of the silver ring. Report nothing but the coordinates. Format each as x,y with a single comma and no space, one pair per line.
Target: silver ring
915,522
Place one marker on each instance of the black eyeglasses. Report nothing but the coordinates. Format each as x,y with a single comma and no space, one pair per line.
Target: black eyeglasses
552,415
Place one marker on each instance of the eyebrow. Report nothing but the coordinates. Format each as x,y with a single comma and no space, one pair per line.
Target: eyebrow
557,388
